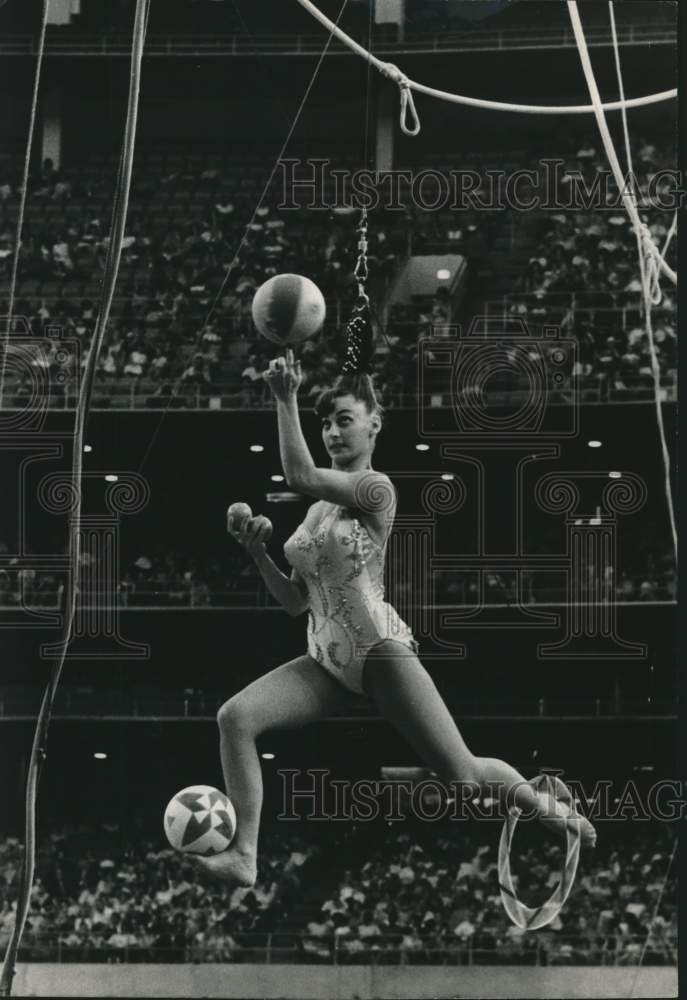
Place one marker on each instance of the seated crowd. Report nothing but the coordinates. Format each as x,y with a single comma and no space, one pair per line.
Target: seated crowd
100,898
176,324
199,241
442,904
160,578
585,273
96,896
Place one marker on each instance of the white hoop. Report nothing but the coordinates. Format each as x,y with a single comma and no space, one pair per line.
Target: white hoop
527,917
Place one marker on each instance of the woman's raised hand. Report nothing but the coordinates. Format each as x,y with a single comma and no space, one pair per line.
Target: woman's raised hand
284,376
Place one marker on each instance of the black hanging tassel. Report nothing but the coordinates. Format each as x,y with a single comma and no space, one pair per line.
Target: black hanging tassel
359,340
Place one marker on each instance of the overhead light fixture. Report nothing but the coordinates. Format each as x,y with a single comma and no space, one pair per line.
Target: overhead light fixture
448,476
277,479
111,478
256,447
285,496
100,756
87,448
421,447
615,475
593,444
267,756
443,274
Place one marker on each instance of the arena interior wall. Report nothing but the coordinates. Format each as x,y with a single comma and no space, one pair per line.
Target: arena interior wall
342,982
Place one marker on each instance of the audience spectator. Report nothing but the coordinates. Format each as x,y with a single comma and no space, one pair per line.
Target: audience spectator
451,911
140,899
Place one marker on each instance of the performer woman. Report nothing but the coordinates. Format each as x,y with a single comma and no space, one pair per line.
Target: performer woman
356,641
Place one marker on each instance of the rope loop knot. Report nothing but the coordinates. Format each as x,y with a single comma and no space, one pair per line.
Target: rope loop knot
652,259
408,108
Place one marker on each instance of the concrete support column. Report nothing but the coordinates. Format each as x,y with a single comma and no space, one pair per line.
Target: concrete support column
391,12
51,126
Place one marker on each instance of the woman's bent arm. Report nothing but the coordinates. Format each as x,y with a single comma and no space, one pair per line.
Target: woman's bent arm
288,592
368,491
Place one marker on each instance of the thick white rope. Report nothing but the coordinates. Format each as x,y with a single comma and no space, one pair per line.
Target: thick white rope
650,247
652,256
38,749
655,289
656,294
407,85
626,137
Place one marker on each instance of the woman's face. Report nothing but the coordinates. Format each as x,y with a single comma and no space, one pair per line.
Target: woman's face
349,432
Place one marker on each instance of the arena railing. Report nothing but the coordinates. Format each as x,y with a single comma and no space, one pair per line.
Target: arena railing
573,303
61,43
276,948
143,394
201,705
183,598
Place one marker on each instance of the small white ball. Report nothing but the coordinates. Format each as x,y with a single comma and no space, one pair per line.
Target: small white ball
237,514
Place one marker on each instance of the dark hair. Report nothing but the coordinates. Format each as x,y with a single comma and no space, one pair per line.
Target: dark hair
358,385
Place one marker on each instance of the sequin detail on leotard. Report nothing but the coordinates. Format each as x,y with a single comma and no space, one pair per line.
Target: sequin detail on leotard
343,569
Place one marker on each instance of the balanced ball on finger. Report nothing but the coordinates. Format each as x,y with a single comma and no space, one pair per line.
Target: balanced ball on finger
288,308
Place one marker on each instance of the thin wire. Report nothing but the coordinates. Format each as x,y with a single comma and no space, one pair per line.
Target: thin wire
265,189
277,92
360,271
39,747
22,197
659,900
373,312
406,84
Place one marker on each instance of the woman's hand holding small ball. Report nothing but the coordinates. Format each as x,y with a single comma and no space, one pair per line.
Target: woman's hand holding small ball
236,515
252,533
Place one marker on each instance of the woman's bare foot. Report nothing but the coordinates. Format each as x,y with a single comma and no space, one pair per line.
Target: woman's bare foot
233,866
560,818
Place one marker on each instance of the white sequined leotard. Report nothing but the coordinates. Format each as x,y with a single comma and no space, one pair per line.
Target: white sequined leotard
343,569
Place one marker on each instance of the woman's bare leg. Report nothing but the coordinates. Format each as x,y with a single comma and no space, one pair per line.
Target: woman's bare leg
406,695
293,695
